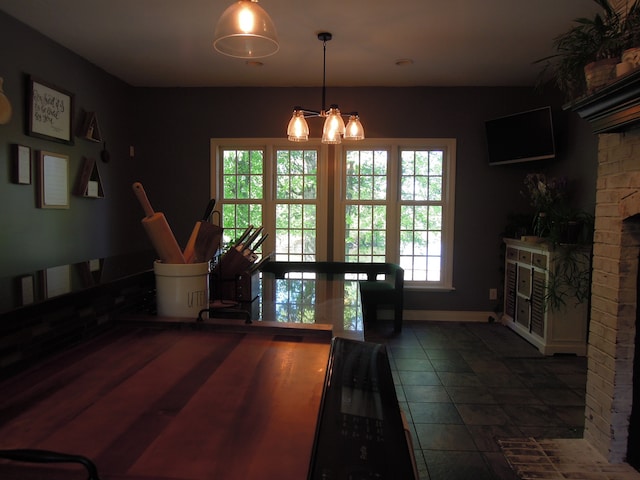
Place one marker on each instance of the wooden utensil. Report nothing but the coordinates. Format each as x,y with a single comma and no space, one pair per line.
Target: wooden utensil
207,239
207,242
158,230
189,250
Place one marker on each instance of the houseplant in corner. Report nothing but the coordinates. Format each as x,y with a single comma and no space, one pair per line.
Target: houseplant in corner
568,232
546,196
586,55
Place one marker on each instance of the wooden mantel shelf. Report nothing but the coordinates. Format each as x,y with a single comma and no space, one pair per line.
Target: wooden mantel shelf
614,107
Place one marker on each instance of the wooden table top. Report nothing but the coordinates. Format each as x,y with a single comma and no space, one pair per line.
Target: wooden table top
166,403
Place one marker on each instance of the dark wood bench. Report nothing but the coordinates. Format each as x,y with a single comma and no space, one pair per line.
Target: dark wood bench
374,292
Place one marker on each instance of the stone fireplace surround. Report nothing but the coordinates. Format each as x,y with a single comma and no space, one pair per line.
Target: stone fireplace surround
614,114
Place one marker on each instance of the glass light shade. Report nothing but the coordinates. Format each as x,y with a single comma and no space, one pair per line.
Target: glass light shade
245,30
354,129
298,129
333,126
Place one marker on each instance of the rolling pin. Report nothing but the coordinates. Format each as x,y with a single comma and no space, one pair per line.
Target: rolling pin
158,230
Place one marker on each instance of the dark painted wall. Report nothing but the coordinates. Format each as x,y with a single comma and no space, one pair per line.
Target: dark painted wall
176,152
171,129
33,238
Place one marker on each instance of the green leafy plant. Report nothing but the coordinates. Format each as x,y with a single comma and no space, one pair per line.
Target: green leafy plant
568,231
630,26
588,40
569,282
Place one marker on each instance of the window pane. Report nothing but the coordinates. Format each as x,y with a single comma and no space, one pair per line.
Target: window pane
421,175
237,217
296,205
242,192
366,175
420,242
296,174
365,233
421,193
243,173
366,223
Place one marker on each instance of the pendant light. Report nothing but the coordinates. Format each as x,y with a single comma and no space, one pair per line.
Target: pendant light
245,30
334,129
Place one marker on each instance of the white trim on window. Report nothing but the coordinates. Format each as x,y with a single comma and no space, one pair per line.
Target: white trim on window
394,147
331,186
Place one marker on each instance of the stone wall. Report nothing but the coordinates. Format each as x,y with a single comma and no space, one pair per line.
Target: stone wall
613,304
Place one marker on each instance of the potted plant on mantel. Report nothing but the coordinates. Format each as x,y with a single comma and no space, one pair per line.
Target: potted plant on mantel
631,37
587,54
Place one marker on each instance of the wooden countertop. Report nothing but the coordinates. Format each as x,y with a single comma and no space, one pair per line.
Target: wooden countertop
166,403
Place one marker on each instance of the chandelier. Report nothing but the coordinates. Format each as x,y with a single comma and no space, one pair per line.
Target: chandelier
334,127
245,30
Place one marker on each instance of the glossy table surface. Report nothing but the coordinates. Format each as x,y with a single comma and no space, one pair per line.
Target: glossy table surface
314,299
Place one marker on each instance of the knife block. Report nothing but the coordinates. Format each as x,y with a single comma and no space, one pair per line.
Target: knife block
231,264
244,287
231,279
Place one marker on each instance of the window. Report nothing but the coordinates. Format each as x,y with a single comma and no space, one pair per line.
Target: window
421,214
242,190
390,200
296,200
365,205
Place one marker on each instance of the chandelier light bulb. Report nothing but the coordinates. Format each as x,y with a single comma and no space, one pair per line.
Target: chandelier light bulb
298,129
354,129
246,20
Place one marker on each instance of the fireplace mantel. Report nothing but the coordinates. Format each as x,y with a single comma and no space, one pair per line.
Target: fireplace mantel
613,108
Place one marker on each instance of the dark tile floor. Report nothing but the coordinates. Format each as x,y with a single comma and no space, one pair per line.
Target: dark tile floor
463,386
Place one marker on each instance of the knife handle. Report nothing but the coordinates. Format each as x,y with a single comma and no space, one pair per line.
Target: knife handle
209,210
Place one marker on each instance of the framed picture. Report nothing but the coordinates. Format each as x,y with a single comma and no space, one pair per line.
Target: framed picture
50,112
53,180
21,164
56,281
26,288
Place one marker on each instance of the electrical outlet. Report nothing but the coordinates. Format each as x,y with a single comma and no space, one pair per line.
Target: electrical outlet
493,294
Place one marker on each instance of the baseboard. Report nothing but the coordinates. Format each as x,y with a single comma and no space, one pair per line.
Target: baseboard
442,315
449,316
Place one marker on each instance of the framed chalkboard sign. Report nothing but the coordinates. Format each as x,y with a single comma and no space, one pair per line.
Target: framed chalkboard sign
50,112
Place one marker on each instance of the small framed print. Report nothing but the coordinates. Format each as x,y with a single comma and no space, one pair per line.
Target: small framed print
56,281
53,180
26,289
21,164
50,112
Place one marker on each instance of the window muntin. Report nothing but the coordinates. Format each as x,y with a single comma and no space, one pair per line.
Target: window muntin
392,200
397,204
242,190
296,213
421,214
365,210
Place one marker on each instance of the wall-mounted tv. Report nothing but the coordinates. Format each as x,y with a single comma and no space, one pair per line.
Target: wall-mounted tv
521,137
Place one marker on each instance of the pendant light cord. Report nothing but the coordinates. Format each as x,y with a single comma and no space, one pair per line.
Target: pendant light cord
324,73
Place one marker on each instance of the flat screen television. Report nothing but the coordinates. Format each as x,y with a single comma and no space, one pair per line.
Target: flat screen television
521,137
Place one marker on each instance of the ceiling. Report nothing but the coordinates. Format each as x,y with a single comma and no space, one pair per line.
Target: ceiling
451,42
